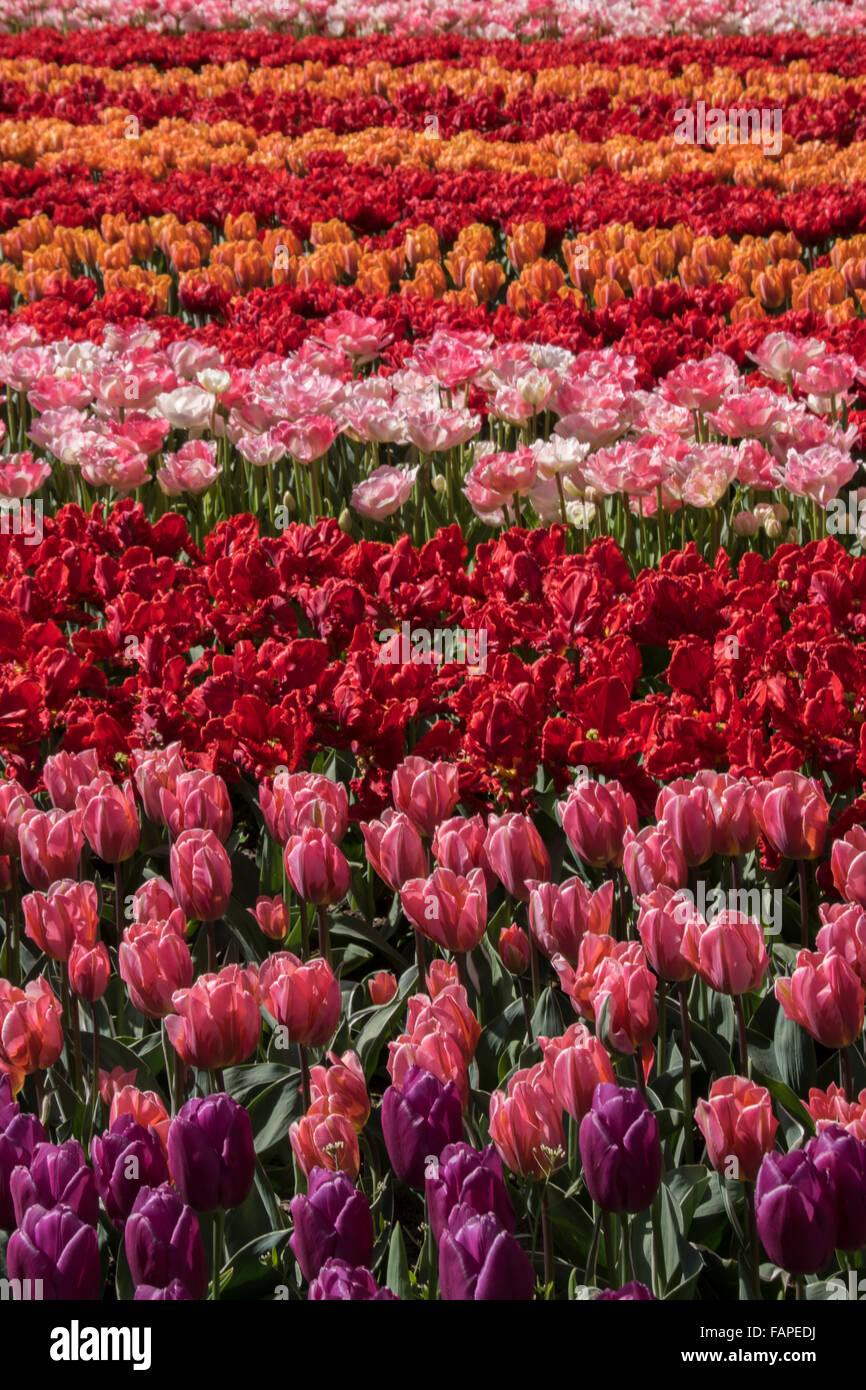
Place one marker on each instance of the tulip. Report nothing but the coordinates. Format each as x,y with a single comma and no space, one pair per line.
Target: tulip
109,819
31,1029
595,817
341,1088
526,1125
480,1260
382,986
450,910
794,814
154,963
560,915
152,771
20,1136
112,1081
211,1154
198,800
687,818
297,801
795,1212
738,1126
316,868
418,1119
89,970
843,1158
272,917
154,901
50,844
634,1292
15,802
57,1247
661,925
332,1220
304,999
831,1107
458,845
67,914
395,849
468,1178
326,1141
620,1150
163,1242
844,931
848,865
576,1063
201,875
145,1107
337,1281
729,953
55,1175
217,1022
175,1292
126,1158
64,774
652,858
623,1001
516,853
825,996
734,803
425,792
514,949
450,1011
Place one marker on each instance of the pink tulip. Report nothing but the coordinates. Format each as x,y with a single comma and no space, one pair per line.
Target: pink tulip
64,774
51,843
595,817
305,999
199,800
89,971
458,844
848,863
14,802
201,875
825,996
67,915
316,868
294,801
154,963
449,909
516,853
109,819
794,815
383,493
560,915
661,924
728,953
652,858
395,849
426,792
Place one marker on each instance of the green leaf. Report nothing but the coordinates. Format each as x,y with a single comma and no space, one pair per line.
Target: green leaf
785,1096
397,1277
795,1054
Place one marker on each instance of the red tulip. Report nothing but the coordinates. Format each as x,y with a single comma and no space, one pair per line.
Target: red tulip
217,1023
516,853
728,953
154,963
66,915
89,971
561,914
738,1124
316,868
383,986
272,916
595,817
450,910
526,1125
825,997
51,843
326,1141
425,792
395,849
304,999
201,875
794,814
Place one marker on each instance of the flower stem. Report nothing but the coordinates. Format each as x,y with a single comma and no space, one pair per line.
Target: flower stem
804,904
218,1229
546,1237
305,1075
687,1073
324,932
754,1249
741,1033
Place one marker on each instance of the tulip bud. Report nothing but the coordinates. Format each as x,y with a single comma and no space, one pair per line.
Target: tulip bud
383,986
332,1220
272,917
163,1243
89,971
211,1154
418,1119
621,1150
514,949
126,1158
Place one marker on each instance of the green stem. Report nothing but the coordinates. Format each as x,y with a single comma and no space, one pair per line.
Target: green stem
687,1073
218,1229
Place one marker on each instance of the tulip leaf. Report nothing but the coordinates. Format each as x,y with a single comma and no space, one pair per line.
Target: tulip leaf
372,1036
273,1110
397,1276
113,1053
547,1020
687,1185
123,1281
343,927
795,1054
785,1096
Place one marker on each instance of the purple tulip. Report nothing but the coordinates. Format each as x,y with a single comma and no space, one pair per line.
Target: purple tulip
126,1158
332,1220
466,1177
620,1149
480,1260
59,1248
842,1156
19,1136
163,1242
211,1153
795,1212
337,1282
175,1292
57,1175
418,1121
635,1292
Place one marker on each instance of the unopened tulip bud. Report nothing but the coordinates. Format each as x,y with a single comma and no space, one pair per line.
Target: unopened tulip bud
514,949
